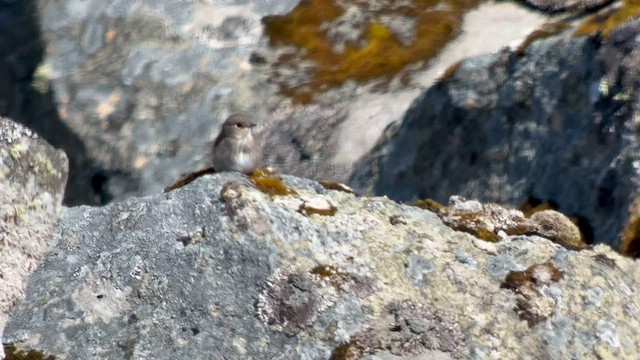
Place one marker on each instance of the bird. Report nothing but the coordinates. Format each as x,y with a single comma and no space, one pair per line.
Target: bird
236,148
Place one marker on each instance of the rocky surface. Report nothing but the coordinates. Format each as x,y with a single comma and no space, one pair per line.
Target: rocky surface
146,84
33,176
26,96
220,269
573,6
557,123
139,88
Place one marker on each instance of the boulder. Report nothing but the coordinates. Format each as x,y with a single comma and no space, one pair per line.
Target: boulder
556,123
225,268
33,176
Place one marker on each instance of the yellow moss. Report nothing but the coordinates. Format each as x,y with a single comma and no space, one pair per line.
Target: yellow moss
18,150
41,78
382,56
604,22
428,204
268,183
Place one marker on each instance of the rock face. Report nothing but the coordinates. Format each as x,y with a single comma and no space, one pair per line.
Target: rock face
32,179
558,124
219,269
146,84
142,86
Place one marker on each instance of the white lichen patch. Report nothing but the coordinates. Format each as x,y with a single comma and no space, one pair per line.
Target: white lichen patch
101,301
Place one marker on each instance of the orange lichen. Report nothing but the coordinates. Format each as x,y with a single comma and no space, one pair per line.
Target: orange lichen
383,55
605,21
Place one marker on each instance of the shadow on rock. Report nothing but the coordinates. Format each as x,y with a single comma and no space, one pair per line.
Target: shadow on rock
31,101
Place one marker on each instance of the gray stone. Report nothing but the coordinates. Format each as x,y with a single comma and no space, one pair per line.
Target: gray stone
558,124
218,269
32,179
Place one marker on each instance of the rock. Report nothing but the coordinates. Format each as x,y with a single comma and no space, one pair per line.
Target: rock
139,88
26,95
220,269
554,225
33,176
568,5
557,124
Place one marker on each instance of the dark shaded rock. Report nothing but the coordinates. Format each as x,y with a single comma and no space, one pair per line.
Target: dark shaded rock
26,96
567,5
559,124
219,269
32,179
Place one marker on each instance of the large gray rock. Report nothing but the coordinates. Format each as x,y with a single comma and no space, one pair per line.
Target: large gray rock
220,270
33,176
558,124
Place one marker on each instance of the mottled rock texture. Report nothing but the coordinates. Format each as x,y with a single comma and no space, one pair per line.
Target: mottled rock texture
557,123
32,179
568,5
218,269
146,84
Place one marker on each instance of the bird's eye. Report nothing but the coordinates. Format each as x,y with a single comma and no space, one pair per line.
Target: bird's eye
238,125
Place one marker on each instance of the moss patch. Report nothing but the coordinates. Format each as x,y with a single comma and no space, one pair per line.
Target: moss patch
270,184
12,353
350,351
605,21
429,204
378,53
533,205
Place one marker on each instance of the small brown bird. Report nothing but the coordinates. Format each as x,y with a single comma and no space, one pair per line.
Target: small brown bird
236,148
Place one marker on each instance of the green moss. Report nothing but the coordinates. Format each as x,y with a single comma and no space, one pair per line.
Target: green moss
383,55
12,353
332,185
429,204
607,20
270,184
350,351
